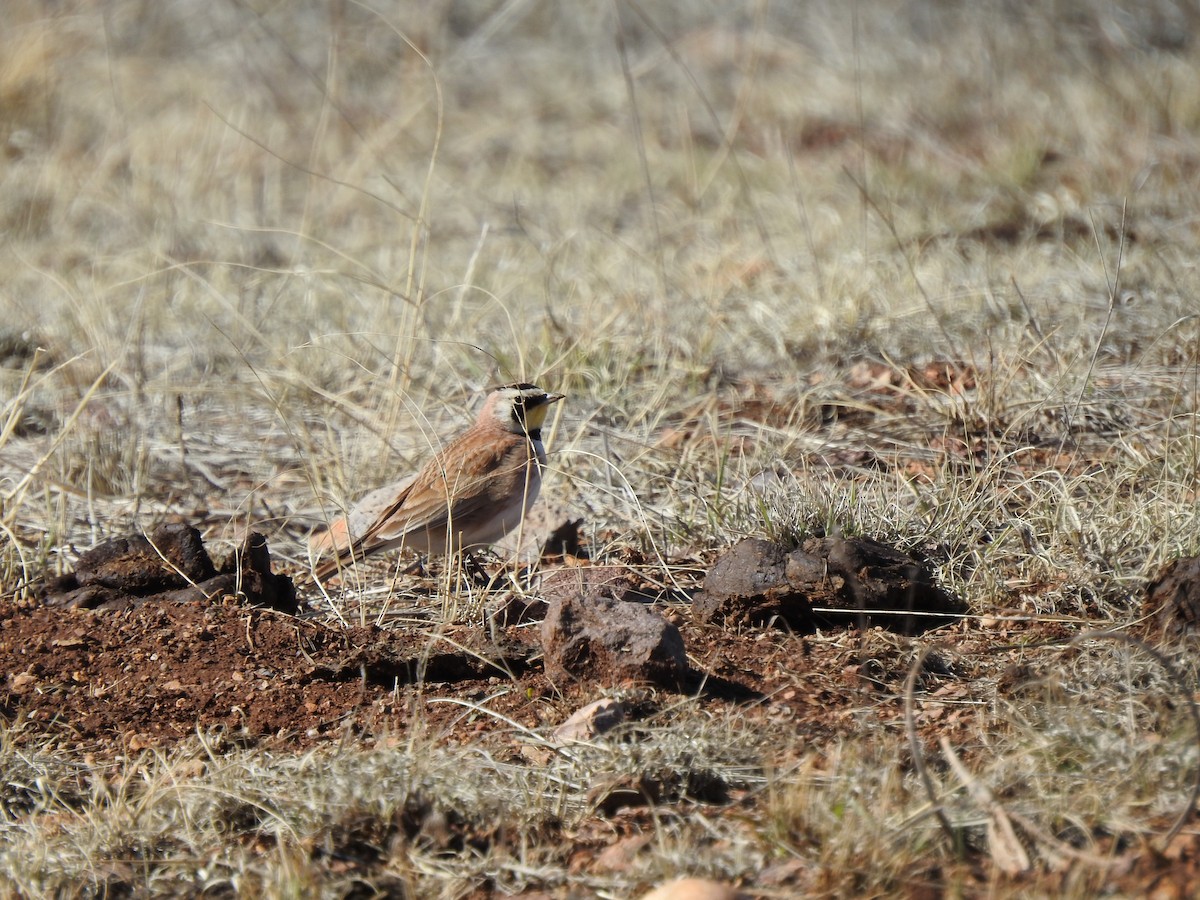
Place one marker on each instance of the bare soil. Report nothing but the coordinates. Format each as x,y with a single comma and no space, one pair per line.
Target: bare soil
110,683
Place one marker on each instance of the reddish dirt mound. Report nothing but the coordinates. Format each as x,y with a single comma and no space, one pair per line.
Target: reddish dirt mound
160,658
157,673
117,681
110,681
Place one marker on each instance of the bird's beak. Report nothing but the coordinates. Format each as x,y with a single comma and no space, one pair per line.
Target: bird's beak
554,398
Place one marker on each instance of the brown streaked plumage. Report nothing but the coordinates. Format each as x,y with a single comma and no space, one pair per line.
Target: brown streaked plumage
472,493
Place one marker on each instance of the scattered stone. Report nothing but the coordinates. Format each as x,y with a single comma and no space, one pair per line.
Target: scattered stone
190,768
609,641
1171,606
761,582
691,889
22,680
171,566
536,755
590,721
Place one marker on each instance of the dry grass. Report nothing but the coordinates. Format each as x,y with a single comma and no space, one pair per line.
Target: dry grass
267,254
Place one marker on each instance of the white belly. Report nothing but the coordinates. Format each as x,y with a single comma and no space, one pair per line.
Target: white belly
508,517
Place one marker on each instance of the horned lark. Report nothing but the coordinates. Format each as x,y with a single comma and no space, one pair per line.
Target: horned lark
472,493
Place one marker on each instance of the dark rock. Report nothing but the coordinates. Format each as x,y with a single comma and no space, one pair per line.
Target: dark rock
171,557
515,609
749,583
128,571
1171,607
883,580
251,566
824,581
610,641
91,596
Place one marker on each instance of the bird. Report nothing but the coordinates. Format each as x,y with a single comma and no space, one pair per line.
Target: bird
471,493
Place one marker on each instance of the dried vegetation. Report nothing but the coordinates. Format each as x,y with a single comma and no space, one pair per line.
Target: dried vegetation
920,272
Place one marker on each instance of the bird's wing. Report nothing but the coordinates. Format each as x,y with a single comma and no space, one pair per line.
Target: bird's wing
349,545
446,497
342,531
456,485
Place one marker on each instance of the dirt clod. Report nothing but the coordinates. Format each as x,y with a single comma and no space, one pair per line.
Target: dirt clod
173,556
601,639
170,566
846,579
750,583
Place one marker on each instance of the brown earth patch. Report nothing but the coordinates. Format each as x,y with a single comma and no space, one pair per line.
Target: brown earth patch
115,682
152,675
